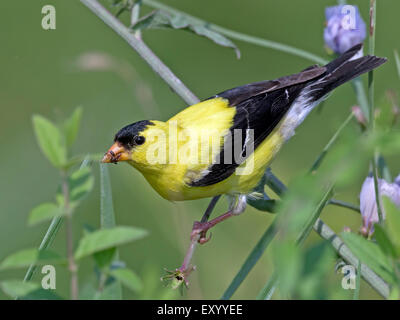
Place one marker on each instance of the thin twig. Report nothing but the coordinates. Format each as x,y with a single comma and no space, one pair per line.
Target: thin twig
143,50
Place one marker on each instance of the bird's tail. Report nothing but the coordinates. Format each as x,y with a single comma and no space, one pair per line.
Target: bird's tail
345,68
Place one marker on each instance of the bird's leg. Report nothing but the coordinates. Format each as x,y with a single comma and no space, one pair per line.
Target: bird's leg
237,206
180,275
200,229
198,235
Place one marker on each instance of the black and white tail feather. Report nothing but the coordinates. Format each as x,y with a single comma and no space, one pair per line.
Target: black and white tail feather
286,101
347,67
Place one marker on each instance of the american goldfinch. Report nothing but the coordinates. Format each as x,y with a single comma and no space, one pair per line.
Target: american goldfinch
224,144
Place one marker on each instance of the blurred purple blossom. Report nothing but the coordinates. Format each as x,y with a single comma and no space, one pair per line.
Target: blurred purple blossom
344,28
368,205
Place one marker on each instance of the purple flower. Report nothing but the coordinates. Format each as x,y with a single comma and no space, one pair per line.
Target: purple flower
368,205
344,28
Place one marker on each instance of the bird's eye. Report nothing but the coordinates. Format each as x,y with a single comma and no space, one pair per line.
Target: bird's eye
139,140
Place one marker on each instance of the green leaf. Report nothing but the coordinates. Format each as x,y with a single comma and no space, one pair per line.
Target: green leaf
80,184
107,238
392,222
50,141
71,126
17,288
370,254
40,294
128,278
27,257
43,212
383,241
104,258
159,19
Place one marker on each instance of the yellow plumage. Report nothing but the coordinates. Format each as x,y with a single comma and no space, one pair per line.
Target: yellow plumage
209,117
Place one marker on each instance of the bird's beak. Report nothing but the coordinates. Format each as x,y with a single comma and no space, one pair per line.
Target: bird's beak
116,153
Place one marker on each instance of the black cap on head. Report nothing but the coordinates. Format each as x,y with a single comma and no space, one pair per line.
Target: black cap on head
126,136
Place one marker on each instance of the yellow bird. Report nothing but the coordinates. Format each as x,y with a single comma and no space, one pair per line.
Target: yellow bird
224,144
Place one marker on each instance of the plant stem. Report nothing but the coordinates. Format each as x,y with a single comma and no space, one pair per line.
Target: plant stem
344,204
268,290
251,260
356,295
369,276
274,183
322,155
372,31
239,36
73,268
361,97
46,242
51,232
143,50
107,220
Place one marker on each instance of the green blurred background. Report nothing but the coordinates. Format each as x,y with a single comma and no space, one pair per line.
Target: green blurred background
40,75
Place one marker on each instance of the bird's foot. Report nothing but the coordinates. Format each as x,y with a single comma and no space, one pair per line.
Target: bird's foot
199,232
200,229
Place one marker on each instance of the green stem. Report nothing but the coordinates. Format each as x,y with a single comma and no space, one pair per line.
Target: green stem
361,97
46,243
274,183
369,276
356,295
372,27
251,260
143,50
107,220
344,204
376,186
51,233
238,35
267,291
372,32
322,155
72,266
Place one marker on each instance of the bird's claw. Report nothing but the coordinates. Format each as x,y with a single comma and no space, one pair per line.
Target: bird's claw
199,232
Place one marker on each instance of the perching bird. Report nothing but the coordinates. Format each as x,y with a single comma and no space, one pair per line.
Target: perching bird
207,149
